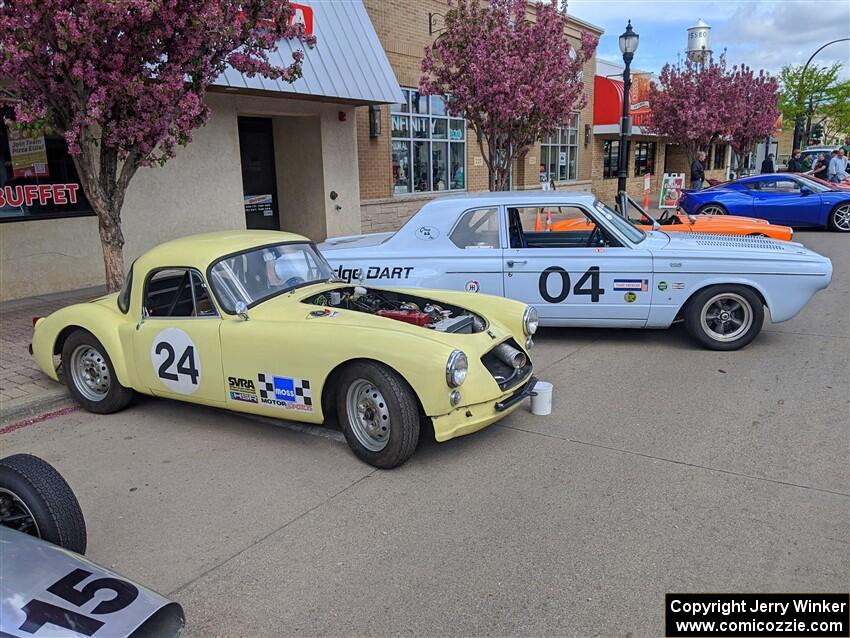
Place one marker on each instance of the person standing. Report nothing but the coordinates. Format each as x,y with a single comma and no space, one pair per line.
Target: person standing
698,171
794,164
767,166
842,154
819,169
835,171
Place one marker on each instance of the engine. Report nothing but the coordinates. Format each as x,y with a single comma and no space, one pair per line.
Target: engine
409,309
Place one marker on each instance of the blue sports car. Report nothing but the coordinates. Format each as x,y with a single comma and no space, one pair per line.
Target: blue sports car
780,198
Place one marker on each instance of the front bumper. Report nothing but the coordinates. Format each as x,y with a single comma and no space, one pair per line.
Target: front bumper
471,418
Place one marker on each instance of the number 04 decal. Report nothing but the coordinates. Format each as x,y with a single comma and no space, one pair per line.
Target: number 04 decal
176,361
581,287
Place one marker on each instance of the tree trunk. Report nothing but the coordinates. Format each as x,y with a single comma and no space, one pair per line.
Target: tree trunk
112,245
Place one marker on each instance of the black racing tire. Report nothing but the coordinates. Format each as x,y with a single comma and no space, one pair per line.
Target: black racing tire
387,432
839,218
706,209
704,316
105,399
32,486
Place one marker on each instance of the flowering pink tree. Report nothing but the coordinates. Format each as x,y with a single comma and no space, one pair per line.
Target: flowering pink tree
689,104
125,80
513,78
753,101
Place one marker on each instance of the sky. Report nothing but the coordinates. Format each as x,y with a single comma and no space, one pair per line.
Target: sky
764,34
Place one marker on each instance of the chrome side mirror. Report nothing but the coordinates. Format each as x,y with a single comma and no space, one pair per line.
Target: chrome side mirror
242,310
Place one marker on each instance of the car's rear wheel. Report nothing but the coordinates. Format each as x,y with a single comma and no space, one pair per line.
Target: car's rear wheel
724,317
36,500
90,375
712,209
839,218
378,413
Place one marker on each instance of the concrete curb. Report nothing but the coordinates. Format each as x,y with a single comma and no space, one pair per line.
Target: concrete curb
20,409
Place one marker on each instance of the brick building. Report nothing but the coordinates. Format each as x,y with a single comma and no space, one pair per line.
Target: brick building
421,153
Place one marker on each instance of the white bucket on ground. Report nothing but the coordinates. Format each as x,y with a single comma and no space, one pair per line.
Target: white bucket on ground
541,400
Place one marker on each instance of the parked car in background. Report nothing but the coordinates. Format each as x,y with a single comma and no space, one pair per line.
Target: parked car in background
256,322
606,272
47,588
780,198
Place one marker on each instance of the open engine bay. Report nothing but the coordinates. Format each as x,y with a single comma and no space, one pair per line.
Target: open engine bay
407,308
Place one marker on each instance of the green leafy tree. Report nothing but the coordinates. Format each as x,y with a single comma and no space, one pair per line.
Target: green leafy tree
818,96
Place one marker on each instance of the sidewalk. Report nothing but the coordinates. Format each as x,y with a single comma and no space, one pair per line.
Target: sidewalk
23,387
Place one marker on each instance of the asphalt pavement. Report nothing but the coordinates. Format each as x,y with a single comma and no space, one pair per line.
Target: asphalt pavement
664,467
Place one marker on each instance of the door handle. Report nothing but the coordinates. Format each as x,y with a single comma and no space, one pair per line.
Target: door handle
511,262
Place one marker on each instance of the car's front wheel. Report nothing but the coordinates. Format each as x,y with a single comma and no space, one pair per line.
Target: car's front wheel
712,209
839,218
36,500
724,317
90,375
378,413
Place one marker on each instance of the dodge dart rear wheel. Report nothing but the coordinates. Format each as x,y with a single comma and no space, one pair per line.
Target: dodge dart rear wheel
839,218
378,413
724,317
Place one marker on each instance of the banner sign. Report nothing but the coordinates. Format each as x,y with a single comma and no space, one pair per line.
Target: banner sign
29,154
671,190
261,204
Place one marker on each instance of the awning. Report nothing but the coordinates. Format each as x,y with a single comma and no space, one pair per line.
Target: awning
348,63
608,104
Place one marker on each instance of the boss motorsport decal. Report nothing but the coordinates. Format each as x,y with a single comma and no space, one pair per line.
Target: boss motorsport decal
242,389
176,361
285,392
373,272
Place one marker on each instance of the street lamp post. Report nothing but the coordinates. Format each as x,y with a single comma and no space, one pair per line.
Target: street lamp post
798,121
628,46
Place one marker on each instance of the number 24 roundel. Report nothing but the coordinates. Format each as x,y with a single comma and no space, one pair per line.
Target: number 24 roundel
176,361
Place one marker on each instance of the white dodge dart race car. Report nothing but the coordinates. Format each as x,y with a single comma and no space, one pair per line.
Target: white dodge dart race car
581,264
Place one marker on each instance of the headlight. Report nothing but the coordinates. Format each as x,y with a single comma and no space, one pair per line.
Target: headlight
456,369
530,320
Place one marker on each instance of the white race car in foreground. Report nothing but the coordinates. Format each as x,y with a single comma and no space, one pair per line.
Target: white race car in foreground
605,273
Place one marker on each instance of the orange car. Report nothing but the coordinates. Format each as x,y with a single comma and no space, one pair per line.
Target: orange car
679,222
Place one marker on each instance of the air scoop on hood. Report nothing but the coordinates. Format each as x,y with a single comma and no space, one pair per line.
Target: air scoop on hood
713,240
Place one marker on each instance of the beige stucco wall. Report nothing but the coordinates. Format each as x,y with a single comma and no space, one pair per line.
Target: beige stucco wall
300,183
200,190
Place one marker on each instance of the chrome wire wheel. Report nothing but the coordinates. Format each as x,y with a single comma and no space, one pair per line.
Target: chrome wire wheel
89,373
712,210
15,514
841,217
726,317
368,415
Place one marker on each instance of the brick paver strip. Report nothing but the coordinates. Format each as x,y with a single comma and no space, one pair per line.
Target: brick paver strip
20,378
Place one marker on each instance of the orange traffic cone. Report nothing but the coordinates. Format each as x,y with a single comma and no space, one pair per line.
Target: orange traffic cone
538,223
548,221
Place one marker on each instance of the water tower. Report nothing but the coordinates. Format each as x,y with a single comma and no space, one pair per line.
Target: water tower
699,42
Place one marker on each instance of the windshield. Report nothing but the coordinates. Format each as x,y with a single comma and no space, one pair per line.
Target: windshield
635,234
260,273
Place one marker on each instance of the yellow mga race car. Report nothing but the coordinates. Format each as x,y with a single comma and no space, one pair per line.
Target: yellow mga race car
256,322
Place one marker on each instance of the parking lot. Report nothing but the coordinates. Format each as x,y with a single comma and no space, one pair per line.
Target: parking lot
664,467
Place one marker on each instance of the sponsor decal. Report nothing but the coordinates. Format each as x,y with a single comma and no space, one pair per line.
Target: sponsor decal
324,312
630,297
631,284
373,272
678,285
427,233
662,285
599,250
472,286
242,389
285,392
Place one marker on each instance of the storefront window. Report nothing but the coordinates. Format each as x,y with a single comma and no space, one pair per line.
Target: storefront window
559,153
720,156
430,141
610,158
644,158
38,179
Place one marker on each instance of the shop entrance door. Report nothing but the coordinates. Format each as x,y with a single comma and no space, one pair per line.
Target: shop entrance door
259,177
